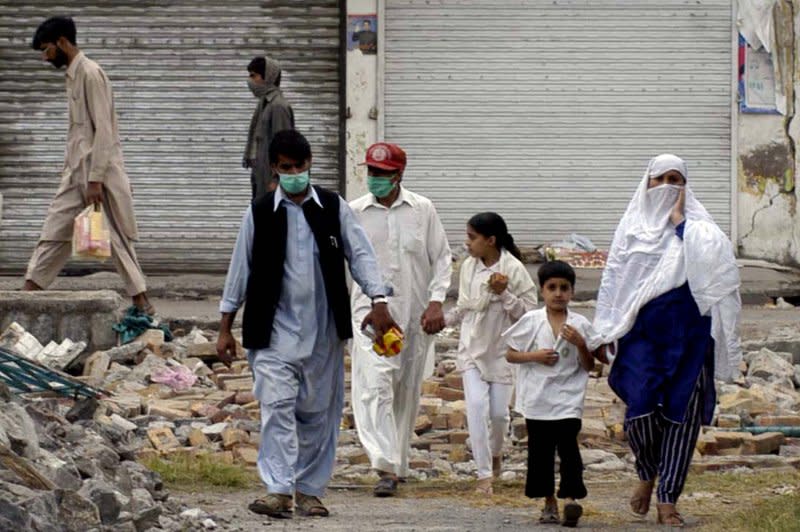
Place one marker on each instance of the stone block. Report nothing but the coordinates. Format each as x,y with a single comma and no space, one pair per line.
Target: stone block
153,339
355,456
456,420
785,420
430,387
430,405
243,398
232,437
730,440
450,394
198,439
423,424
96,365
767,443
729,421
707,444
214,432
519,429
458,437
454,380
167,409
458,453
246,455
439,422
419,463
162,439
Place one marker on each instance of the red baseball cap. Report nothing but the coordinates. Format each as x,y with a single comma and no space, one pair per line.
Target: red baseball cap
386,156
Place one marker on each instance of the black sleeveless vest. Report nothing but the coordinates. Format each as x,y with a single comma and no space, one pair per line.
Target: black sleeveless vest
267,265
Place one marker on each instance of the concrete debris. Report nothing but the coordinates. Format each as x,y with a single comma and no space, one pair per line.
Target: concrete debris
175,398
52,355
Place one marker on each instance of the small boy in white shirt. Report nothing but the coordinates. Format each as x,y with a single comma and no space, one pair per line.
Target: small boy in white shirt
550,347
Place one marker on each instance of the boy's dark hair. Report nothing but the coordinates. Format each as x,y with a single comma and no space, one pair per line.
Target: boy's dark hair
52,29
556,269
259,66
492,224
289,143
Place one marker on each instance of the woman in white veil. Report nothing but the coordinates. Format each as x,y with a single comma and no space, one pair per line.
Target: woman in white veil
668,306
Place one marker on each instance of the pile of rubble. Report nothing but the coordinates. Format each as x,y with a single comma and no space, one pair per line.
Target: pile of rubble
77,463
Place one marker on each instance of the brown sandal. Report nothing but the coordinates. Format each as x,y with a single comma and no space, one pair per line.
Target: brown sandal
640,501
484,486
274,505
668,515
309,506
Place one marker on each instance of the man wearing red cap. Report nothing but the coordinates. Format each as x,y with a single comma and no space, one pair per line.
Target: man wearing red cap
416,264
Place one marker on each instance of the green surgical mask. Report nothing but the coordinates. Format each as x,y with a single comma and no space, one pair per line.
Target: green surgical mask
294,183
380,186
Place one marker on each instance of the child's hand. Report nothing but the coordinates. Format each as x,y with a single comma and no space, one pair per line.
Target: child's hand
548,357
498,283
572,336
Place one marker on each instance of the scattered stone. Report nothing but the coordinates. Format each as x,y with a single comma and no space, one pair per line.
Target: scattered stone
766,443
163,439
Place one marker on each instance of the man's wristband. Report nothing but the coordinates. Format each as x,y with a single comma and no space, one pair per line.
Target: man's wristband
379,299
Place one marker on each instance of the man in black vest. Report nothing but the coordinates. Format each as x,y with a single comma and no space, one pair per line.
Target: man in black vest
289,265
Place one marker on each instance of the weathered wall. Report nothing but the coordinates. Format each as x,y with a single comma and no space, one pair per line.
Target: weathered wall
769,224
361,101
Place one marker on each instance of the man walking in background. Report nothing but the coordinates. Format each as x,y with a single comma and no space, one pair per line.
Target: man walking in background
94,172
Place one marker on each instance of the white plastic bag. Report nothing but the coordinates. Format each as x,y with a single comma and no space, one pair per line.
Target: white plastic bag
91,238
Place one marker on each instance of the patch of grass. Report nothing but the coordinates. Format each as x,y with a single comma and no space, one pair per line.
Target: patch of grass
200,472
778,514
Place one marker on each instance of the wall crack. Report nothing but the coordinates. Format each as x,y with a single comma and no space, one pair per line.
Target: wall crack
757,211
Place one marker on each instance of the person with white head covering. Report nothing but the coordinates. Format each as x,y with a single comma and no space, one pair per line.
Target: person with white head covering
668,306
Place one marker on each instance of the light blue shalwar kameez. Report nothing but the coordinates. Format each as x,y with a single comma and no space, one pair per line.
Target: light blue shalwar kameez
299,378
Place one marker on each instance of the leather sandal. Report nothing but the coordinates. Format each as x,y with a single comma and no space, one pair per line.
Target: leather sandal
640,500
484,486
668,515
549,515
309,506
274,505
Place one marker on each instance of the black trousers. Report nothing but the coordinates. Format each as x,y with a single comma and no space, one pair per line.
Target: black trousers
545,438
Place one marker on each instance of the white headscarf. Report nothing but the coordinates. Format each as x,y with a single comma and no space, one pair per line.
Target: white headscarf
647,259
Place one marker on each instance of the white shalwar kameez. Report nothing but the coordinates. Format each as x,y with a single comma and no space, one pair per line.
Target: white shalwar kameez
299,378
415,261
487,376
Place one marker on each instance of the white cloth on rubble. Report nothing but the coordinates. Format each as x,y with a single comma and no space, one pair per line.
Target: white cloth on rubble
647,259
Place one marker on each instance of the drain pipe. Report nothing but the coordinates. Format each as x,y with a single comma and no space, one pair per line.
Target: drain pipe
791,432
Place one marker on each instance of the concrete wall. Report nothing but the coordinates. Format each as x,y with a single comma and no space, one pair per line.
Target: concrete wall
85,316
361,101
768,162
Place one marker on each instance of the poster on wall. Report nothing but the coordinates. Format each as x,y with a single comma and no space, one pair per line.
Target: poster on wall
756,80
362,33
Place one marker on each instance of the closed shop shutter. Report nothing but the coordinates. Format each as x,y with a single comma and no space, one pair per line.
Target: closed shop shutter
178,70
548,111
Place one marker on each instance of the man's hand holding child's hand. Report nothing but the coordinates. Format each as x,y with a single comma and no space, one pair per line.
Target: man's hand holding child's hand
498,283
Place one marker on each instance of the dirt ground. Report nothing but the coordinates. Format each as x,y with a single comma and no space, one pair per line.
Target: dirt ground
441,506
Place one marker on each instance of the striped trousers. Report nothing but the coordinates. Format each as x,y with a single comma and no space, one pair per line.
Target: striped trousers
664,448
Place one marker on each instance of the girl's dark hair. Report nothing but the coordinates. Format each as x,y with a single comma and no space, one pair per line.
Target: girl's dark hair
491,224
51,29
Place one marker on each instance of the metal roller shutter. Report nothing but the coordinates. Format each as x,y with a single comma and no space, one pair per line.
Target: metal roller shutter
548,111
179,79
